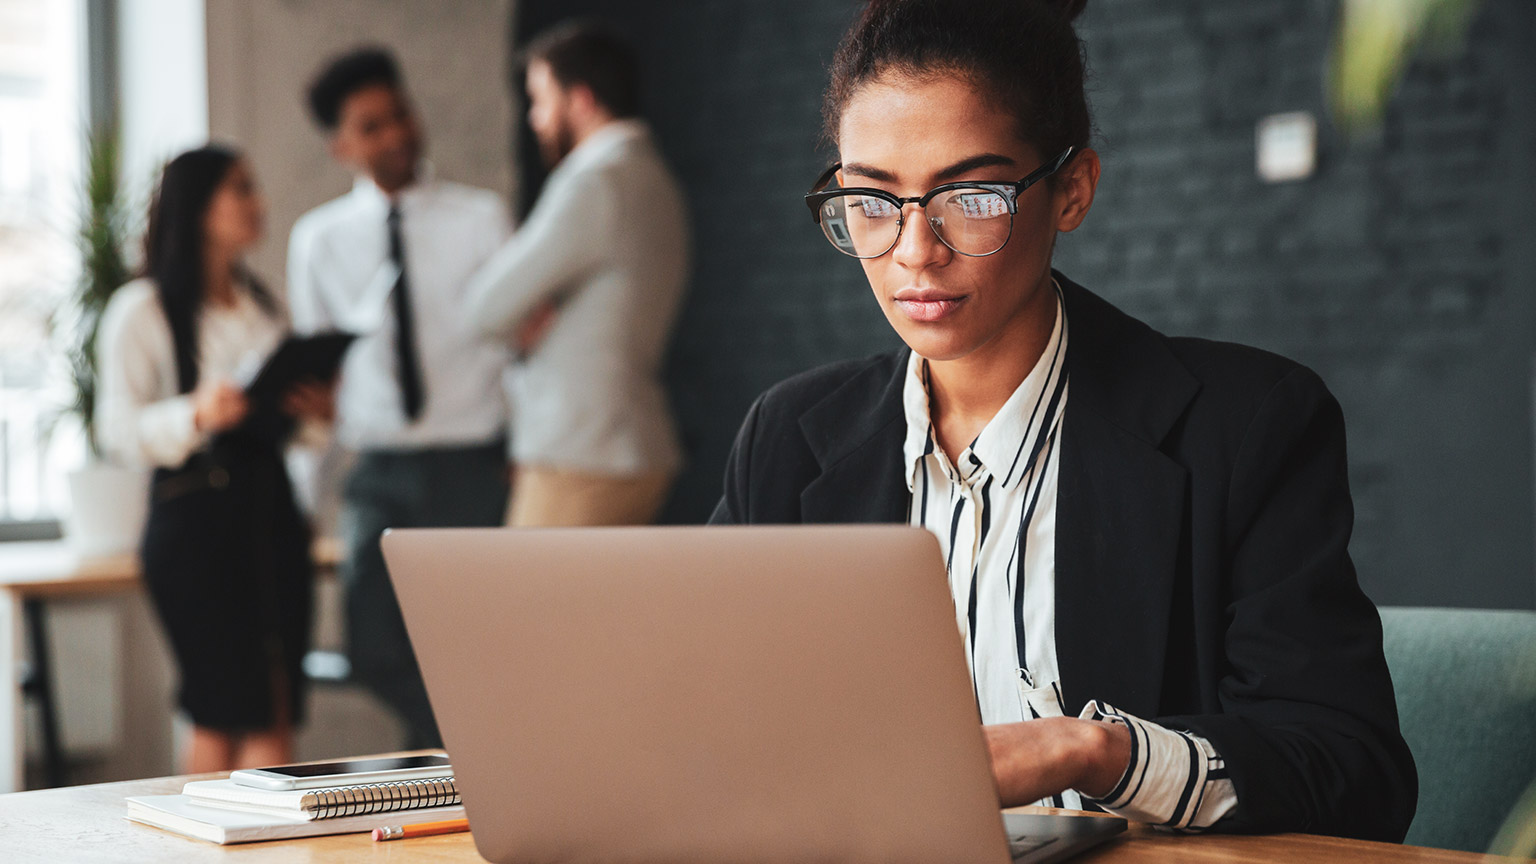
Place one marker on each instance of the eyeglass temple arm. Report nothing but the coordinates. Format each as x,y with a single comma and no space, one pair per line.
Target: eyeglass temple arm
817,187
1047,169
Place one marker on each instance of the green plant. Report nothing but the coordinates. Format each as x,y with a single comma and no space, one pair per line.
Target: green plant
1375,40
104,225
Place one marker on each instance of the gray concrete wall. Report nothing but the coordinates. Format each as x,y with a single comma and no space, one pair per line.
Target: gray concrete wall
263,53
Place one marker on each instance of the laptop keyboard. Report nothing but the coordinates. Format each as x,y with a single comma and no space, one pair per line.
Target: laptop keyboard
1023,844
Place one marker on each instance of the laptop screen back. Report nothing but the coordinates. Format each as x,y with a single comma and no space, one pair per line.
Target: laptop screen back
701,694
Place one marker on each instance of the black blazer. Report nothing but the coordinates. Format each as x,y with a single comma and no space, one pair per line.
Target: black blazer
1203,577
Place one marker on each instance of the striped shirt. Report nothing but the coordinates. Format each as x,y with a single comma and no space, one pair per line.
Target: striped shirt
993,508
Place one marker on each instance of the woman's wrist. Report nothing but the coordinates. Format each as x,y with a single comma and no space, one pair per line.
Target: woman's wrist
1104,756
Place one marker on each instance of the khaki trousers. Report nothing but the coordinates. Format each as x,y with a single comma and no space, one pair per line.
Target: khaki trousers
551,497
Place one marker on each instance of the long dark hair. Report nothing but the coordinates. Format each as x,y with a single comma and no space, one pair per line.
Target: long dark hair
1022,53
174,248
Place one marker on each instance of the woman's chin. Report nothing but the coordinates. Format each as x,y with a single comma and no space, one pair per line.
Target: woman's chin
932,343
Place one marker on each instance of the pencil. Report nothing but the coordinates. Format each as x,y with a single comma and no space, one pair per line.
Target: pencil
424,829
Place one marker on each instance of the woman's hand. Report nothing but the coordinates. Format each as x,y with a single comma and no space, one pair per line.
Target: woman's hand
311,400
218,406
1039,758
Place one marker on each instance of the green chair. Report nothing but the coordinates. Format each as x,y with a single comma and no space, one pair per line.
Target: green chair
1517,839
1466,697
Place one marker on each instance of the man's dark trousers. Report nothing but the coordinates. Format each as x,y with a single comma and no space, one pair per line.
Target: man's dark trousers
430,488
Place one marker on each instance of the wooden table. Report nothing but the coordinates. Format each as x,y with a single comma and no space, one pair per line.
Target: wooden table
33,573
86,824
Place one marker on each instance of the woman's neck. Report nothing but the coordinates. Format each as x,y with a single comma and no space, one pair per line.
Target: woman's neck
964,394
219,278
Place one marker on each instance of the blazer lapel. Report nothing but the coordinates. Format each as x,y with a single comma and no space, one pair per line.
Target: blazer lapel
856,434
1121,508
865,486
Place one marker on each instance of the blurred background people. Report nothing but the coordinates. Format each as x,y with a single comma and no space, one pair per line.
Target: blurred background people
587,291
226,551
420,398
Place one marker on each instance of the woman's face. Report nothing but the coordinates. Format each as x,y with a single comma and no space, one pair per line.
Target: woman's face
236,213
906,135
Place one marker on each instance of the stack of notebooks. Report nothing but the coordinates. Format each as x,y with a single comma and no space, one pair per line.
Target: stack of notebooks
223,811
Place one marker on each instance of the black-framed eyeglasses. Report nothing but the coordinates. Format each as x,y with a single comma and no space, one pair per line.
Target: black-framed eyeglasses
974,219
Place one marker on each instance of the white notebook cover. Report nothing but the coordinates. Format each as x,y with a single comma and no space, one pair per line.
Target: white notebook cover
178,813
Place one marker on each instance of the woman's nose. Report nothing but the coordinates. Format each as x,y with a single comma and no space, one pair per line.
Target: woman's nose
918,246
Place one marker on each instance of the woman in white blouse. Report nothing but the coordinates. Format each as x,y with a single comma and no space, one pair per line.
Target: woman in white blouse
225,551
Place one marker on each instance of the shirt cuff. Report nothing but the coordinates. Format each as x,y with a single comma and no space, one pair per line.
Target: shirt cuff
168,432
1174,780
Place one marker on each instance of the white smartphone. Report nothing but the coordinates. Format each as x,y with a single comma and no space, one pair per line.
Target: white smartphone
348,772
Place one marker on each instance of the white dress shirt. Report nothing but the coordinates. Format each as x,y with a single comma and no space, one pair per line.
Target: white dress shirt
340,277
143,419
608,241
992,506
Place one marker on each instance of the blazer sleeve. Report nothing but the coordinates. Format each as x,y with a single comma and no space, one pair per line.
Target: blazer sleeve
733,508
1308,726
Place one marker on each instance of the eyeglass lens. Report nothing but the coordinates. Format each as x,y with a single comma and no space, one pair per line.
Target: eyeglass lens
969,221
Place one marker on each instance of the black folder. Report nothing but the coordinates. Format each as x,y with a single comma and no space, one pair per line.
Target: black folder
299,358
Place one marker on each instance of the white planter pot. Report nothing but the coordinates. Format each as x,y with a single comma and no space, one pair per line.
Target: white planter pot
108,506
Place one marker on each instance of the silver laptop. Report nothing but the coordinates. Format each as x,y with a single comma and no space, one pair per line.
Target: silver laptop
709,695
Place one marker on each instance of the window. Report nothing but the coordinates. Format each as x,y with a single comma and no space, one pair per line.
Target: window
42,127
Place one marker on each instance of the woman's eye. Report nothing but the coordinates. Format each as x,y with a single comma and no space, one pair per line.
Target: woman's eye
980,205
876,208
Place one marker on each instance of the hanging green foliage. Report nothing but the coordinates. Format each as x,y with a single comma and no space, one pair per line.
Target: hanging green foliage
1375,39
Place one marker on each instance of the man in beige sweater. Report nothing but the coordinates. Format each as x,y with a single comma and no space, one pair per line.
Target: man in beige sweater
587,291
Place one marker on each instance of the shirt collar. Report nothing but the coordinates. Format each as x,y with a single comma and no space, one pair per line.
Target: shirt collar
606,139
369,193
1000,448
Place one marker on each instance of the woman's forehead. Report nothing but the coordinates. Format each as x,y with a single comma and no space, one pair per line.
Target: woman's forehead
917,127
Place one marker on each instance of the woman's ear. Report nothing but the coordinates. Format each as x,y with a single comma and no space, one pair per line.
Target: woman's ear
1074,189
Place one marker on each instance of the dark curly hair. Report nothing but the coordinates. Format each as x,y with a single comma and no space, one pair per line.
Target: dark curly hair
1023,53
345,75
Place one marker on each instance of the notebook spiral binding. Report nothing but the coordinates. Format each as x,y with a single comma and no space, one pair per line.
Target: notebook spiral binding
384,797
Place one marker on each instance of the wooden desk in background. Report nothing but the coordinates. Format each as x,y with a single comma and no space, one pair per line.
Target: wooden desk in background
86,824
39,572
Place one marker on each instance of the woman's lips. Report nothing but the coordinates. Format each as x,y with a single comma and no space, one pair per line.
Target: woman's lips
928,309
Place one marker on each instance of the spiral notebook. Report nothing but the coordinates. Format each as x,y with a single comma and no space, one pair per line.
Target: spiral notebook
224,826
312,804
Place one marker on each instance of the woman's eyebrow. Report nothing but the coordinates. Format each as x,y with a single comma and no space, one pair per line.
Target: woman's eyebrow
873,173
955,171
971,163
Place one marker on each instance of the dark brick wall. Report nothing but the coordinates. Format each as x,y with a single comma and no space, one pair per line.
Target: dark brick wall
1402,272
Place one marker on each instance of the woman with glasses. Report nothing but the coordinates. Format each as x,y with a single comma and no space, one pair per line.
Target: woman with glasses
1146,537
225,551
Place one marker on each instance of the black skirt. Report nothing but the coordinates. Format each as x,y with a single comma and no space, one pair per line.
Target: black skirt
226,560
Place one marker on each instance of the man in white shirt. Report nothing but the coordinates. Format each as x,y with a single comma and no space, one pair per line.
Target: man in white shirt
587,291
420,400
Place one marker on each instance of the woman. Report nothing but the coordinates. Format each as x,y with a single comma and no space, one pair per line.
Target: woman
225,551
1146,537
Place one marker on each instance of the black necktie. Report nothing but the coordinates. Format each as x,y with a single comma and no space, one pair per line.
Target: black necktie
406,363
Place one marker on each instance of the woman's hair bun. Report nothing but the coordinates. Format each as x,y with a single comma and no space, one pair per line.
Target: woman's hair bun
1068,9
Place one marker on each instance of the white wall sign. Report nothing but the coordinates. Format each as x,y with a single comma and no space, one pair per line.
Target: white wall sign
1287,147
